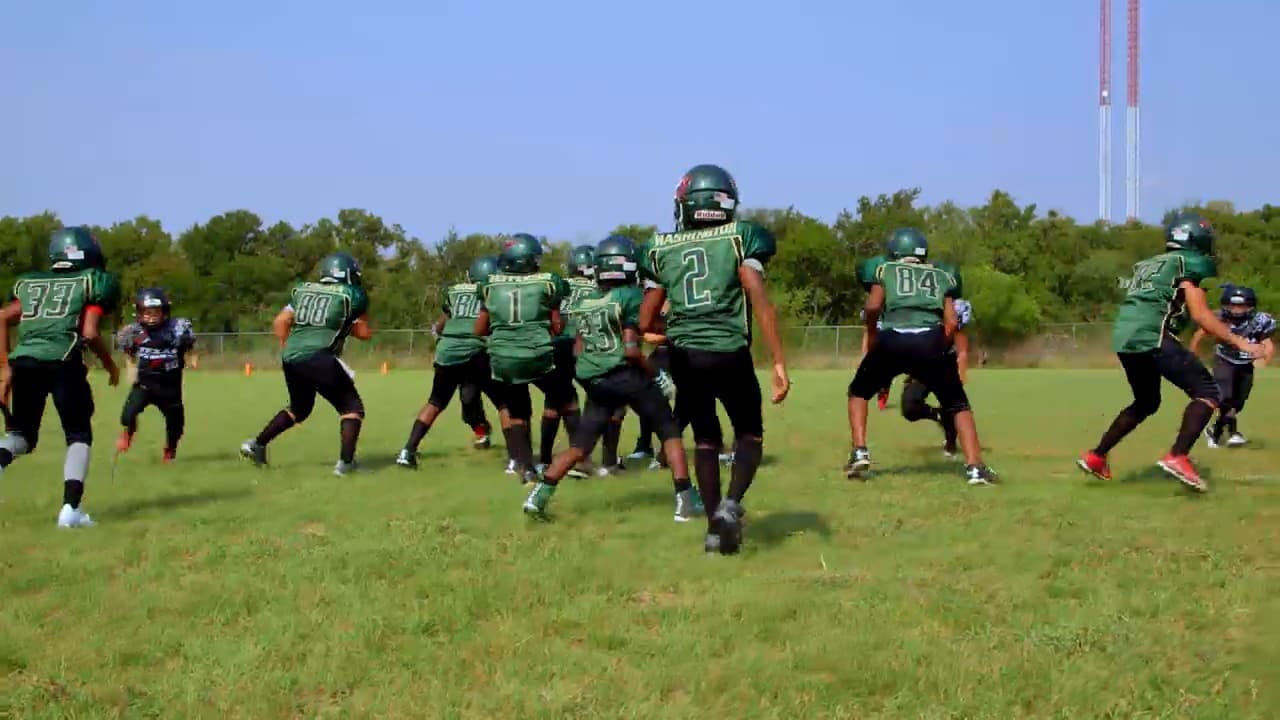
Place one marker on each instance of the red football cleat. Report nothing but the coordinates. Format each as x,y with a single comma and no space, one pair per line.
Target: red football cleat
882,400
169,455
1180,467
1095,464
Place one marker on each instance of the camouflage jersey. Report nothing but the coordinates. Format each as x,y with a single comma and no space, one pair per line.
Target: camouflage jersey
1153,306
578,288
458,342
161,351
520,309
601,319
914,293
53,307
323,314
699,271
1254,327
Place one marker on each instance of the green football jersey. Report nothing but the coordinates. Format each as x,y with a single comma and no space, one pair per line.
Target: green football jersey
53,305
1153,306
914,293
601,319
520,309
323,314
699,271
458,341
576,288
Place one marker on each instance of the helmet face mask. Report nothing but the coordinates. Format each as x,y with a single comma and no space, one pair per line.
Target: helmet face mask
1240,303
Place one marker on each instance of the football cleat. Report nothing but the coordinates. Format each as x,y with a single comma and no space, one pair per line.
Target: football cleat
1095,464
1180,467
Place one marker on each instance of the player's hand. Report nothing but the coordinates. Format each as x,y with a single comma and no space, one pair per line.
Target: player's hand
113,375
781,383
1252,350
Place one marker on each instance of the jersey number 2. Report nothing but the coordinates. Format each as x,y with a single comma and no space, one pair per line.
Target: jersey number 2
695,264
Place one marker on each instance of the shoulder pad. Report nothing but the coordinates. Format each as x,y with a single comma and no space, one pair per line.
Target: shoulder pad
757,242
868,271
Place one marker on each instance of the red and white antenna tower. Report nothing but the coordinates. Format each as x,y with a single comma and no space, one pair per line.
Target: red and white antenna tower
1104,113
1133,143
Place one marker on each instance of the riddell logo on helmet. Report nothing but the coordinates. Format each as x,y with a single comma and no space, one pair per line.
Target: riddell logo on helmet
710,215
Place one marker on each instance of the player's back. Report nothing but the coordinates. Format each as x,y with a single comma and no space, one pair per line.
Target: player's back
914,293
458,340
520,309
577,288
699,271
601,320
53,305
1152,306
323,314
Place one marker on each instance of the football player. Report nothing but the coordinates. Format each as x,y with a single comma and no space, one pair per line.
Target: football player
616,374
155,346
911,320
1232,370
461,362
1162,294
711,268
520,314
58,313
313,329
579,283
916,393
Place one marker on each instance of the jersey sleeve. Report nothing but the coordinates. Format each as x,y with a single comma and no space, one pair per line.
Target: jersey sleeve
1266,326
869,272
105,291
631,301
1198,268
359,302
758,245
964,313
645,265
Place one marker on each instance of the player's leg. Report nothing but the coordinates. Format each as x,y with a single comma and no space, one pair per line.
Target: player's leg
1181,367
558,392
335,383
472,402
302,400
169,401
940,372
588,431
1242,388
882,397
738,390
1143,375
444,383
609,460
914,407
515,396
696,405
876,370
134,404
1224,376
648,401
32,383
73,399
564,360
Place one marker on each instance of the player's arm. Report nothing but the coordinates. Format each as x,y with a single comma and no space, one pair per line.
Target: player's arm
282,324
8,316
1269,350
950,321
557,322
1196,339
361,329
632,353
872,310
482,327
1198,307
752,280
91,331
651,310
437,327
962,354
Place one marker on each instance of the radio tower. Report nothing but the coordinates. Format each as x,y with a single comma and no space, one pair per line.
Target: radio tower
1104,114
1133,165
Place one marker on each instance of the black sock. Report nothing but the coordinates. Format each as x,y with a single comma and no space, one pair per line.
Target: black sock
72,492
1194,420
706,468
6,458
682,484
612,436
131,427
1231,424
416,434
520,447
644,443
547,440
571,421
1219,427
949,435
350,434
747,453
1124,424
171,437
281,422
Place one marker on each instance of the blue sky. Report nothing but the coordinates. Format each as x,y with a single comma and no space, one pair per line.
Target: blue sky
566,117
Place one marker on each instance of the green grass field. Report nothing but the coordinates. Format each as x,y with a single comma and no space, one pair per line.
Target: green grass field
214,589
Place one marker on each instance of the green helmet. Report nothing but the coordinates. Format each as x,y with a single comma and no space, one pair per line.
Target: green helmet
340,267
582,261
706,196
521,254
75,248
616,259
1189,231
907,244
482,268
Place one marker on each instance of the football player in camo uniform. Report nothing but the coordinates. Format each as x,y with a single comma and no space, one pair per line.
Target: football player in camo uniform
461,363
156,347
520,314
711,268
1161,296
313,328
58,314
915,393
615,374
1232,369
911,319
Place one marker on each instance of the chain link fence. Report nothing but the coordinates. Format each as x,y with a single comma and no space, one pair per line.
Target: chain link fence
812,346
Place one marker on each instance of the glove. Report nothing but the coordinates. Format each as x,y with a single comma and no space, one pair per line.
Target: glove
666,385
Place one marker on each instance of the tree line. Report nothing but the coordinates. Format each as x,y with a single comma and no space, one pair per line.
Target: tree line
1021,268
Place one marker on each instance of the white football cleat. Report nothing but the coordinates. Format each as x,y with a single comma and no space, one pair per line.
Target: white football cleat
1237,440
70,517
